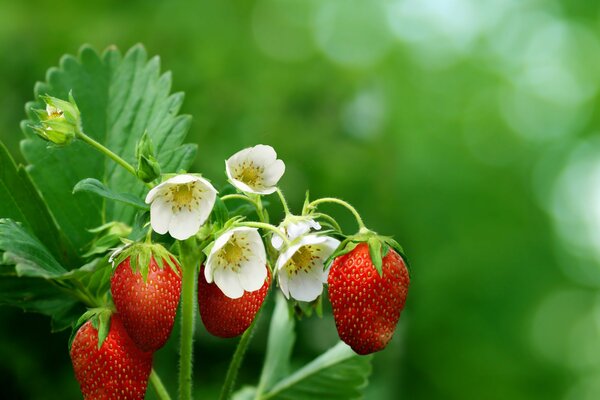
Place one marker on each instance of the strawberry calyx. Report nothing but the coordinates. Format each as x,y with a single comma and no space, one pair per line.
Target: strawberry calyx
100,319
379,246
140,254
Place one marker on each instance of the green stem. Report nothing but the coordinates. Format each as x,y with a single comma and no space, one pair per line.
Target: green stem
236,361
359,221
107,152
189,259
159,388
284,203
268,227
238,197
260,211
331,220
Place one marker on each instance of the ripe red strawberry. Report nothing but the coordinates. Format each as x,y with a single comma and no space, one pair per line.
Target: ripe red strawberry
118,370
147,308
367,306
225,317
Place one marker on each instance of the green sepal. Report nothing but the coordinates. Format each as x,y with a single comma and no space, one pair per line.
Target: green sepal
140,253
375,252
379,247
100,319
345,247
103,326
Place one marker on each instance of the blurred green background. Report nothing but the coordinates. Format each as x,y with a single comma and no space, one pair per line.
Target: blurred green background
465,128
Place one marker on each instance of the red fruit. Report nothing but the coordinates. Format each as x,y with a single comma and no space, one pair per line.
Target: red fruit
147,308
118,370
367,306
225,317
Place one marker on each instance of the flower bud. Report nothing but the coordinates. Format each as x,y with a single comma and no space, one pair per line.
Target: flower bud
59,122
148,168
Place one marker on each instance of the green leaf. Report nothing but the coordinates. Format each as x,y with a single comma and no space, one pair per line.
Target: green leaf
245,393
338,373
40,296
119,98
92,185
279,346
21,202
26,253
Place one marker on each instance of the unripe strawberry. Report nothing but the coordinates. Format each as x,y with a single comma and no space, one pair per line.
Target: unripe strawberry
117,370
366,305
147,306
225,317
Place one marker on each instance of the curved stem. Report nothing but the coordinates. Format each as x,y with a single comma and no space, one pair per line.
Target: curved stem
236,361
331,220
159,388
238,197
359,221
188,256
107,152
268,227
284,203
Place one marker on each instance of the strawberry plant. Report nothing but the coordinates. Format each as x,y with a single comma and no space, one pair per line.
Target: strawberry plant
106,231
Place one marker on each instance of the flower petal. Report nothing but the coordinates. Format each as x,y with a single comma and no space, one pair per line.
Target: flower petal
252,275
183,178
228,282
273,173
276,242
305,287
282,278
160,215
185,223
262,154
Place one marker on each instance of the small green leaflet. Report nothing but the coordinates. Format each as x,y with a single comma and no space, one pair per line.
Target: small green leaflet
26,253
337,374
94,186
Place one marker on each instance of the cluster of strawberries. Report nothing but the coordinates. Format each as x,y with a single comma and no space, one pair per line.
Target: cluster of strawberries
366,309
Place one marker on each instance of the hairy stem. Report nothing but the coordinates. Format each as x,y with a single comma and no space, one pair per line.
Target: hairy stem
107,152
189,260
359,221
159,388
238,197
284,203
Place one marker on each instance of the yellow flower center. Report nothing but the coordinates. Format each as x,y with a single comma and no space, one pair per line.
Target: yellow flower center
302,260
232,254
184,195
250,174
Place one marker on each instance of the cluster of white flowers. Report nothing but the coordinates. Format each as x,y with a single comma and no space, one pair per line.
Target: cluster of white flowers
237,262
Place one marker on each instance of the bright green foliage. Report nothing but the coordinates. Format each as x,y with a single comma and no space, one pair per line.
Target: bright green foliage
120,97
338,373
21,202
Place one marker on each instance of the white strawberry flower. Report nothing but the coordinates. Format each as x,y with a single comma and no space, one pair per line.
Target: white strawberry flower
294,227
301,267
255,169
181,205
237,262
